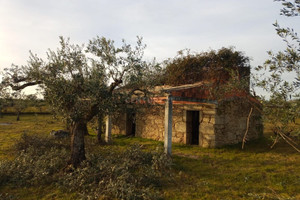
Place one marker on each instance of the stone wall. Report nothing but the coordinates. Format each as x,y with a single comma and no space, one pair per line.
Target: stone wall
231,121
219,124
119,124
206,123
207,136
150,123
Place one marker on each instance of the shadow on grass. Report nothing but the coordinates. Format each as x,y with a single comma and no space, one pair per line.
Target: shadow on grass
260,145
263,145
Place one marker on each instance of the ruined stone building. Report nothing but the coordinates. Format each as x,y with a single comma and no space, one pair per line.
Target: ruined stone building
185,114
197,121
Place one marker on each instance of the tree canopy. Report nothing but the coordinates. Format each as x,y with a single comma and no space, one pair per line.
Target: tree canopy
79,83
280,78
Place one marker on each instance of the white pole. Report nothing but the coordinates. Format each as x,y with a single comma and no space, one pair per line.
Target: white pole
108,129
168,126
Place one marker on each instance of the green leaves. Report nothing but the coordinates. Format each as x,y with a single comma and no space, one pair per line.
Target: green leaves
78,81
280,78
290,9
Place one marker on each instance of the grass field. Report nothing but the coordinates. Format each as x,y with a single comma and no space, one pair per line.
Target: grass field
257,172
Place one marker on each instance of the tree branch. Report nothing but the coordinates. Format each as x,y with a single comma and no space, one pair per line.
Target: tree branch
290,143
248,122
275,141
114,85
20,87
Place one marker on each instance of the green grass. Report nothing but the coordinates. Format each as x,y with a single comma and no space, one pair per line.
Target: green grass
257,172
230,173
30,124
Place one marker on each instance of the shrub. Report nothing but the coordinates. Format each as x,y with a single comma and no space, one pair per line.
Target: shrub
32,168
42,144
110,173
38,161
132,174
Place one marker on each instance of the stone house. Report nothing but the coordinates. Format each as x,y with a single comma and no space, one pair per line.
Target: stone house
184,114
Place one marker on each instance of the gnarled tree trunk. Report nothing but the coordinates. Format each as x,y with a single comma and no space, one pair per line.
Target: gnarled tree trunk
78,130
86,132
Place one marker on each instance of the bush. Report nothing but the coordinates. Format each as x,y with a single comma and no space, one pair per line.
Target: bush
109,173
132,174
42,144
30,168
38,161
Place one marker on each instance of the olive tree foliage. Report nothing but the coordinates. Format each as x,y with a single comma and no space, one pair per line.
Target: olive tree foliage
82,82
5,99
280,77
19,102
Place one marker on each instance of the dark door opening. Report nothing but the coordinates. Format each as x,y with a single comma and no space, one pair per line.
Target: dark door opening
193,127
130,124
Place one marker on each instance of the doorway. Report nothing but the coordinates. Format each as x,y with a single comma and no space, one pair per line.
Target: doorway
130,123
192,125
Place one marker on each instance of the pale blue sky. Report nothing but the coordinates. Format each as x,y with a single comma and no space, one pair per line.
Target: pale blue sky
167,26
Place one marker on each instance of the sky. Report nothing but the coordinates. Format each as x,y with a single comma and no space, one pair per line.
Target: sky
166,26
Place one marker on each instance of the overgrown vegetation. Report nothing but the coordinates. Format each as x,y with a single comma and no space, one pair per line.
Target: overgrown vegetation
215,66
111,173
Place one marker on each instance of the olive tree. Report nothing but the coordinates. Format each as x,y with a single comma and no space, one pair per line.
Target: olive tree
19,102
280,78
5,99
82,82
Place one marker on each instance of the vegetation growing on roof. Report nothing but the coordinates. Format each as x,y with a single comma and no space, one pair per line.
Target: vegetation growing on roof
187,67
